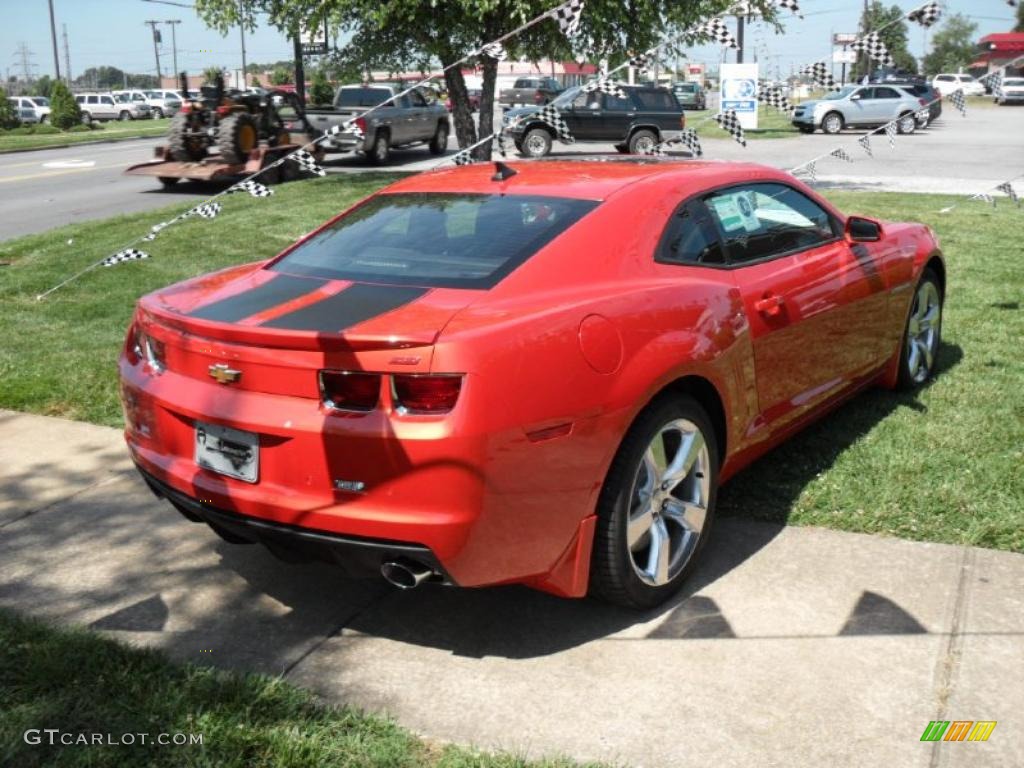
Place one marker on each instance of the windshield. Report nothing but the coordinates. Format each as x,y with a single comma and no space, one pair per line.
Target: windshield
40,101
435,239
1014,81
839,94
687,87
362,97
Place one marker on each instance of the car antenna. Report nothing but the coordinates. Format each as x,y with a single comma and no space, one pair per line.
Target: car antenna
502,171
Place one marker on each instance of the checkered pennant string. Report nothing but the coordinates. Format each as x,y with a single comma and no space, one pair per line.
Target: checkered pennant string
128,254
501,144
731,123
156,229
842,154
206,210
1007,188
603,85
494,51
926,15
957,97
568,17
890,133
923,115
549,114
985,197
791,5
774,97
821,76
810,171
640,61
254,188
349,126
994,80
691,141
872,45
307,162
465,157
865,144
718,31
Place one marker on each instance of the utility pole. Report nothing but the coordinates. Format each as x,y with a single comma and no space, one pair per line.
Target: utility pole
156,51
241,28
740,20
174,44
53,37
67,55
300,72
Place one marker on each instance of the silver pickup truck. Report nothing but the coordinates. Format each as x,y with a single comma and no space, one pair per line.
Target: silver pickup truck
415,118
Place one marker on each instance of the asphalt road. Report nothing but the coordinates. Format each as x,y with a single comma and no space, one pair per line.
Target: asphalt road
958,155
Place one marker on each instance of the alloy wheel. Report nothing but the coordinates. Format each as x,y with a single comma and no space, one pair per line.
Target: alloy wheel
923,331
668,502
536,146
833,124
644,145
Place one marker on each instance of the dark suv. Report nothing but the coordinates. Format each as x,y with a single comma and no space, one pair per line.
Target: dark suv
922,91
635,124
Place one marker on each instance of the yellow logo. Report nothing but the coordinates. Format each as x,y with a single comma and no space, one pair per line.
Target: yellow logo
224,374
958,730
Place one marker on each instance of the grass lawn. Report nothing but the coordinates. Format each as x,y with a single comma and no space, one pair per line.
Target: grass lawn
943,465
771,123
83,683
111,130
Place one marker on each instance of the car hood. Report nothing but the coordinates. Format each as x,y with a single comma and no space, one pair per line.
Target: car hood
520,112
810,105
254,305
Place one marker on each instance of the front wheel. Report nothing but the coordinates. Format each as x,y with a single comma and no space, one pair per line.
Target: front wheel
832,123
536,143
657,504
124,115
158,113
922,333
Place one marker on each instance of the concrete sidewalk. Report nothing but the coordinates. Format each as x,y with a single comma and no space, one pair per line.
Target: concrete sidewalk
790,646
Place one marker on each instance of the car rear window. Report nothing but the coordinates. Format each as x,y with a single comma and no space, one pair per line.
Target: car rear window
686,87
434,239
362,97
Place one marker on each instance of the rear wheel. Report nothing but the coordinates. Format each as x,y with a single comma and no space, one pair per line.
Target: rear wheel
922,334
158,113
832,123
657,504
907,123
642,142
237,136
168,181
184,146
439,144
536,143
380,152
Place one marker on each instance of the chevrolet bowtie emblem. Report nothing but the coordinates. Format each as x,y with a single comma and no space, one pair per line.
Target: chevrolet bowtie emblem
224,374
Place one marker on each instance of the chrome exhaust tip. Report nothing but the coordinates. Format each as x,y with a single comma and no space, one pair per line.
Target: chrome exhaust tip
405,574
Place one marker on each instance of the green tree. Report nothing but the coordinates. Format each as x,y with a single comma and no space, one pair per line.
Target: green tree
321,91
210,74
43,86
1019,26
254,81
894,35
415,34
281,76
64,111
952,47
8,117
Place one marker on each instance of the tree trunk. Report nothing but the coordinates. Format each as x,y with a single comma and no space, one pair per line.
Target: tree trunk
462,115
487,93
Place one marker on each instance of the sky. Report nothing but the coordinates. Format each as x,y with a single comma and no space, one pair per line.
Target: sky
113,32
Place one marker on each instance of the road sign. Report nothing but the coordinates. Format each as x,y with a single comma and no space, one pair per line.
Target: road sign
313,39
739,92
844,57
843,38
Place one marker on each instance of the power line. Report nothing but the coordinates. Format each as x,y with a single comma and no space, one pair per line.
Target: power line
25,55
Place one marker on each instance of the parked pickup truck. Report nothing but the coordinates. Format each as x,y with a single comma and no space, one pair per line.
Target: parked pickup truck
530,90
635,124
412,120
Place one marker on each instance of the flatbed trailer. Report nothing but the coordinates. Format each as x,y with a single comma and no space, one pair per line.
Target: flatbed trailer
213,168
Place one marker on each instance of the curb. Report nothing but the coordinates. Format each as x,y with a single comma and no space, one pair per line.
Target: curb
77,144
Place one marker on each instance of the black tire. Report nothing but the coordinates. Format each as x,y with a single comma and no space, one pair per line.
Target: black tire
805,128
124,115
237,135
640,140
536,142
168,181
907,123
613,574
622,149
912,376
158,113
380,152
832,123
439,143
182,147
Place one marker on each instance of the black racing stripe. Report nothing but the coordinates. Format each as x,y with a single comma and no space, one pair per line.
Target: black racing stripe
271,293
352,306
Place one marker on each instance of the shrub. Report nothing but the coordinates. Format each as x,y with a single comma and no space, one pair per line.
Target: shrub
64,112
8,117
82,128
321,92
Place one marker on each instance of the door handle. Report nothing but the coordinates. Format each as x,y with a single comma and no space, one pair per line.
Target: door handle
770,305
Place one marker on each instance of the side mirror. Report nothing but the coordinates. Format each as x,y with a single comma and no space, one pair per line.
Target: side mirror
855,97
861,230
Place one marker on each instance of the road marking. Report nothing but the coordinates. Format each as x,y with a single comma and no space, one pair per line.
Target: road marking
28,176
70,164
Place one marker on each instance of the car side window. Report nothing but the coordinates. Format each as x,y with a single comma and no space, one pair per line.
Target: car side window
585,101
657,100
416,99
690,238
760,221
617,103
886,93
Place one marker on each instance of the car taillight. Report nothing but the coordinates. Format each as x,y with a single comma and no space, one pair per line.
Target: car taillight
426,394
186,108
144,348
924,102
223,110
350,390
538,98
360,123
682,120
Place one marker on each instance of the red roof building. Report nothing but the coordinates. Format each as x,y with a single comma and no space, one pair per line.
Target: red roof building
998,50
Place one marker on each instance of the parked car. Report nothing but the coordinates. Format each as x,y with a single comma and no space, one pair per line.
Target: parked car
530,90
103,106
163,103
857,106
474,100
690,95
537,378
635,124
31,109
138,103
1012,91
404,122
926,92
947,83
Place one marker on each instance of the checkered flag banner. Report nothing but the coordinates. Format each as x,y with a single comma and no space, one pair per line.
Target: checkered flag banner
730,122
810,170
128,254
254,188
774,97
307,162
926,15
872,45
157,228
985,197
923,115
640,61
465,157
691,141
604,85
206,210
841,153
568,17
494,51
349,126
994,81
501,143
957,97
865,144
820,75
549,114
718,31
1007,188
791,5
890,133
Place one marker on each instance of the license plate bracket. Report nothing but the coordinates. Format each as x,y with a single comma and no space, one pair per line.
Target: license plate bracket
227,451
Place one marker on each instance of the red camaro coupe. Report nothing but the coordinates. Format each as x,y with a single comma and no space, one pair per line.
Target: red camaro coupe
533,373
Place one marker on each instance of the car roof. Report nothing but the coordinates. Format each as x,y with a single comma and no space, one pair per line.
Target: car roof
586,178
